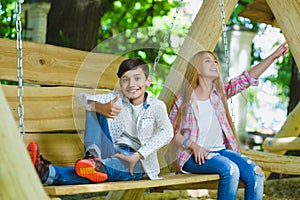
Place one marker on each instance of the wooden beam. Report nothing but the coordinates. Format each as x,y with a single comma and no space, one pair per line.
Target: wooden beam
18,179
281,144
54,65
290,128
259,11
203,35
287,15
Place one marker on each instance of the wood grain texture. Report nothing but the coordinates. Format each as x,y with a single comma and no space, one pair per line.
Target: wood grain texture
52,65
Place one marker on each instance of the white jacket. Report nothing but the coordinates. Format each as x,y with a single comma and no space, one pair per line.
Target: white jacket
153,126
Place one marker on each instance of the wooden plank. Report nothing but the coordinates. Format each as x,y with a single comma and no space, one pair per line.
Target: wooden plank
210,185
287,15
271,162
203,35
169,179
260,12
49,108
60,149
281,144
16,168
53,65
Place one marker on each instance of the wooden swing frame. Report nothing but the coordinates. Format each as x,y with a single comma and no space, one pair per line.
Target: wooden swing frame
49,118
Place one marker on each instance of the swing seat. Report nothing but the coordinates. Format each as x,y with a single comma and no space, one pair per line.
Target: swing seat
53,75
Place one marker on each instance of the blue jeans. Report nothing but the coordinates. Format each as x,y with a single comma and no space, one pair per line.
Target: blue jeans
97,138
231,166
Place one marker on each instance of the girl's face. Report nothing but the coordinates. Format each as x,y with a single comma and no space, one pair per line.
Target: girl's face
209,67
133,84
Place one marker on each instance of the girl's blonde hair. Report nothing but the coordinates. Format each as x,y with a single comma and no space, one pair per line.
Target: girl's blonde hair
190,82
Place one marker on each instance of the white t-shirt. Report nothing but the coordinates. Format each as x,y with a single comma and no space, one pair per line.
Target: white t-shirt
210,131
129,136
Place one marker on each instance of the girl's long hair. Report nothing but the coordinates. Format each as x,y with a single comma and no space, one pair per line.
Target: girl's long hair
190,82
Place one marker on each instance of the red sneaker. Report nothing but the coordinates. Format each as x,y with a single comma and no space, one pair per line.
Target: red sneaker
41,165
92,169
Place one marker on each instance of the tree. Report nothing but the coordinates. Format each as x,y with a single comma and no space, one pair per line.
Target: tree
74,23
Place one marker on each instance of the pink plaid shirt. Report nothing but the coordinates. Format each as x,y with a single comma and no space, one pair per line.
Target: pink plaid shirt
188,125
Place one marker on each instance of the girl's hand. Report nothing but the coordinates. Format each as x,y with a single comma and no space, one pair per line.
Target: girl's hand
199,153
280,51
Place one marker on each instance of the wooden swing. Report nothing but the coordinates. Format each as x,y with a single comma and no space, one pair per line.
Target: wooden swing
50,122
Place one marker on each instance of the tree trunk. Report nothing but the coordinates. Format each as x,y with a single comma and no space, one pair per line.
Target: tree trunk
74,23
294,87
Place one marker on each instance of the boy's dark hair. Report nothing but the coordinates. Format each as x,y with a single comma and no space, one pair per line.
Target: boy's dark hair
132,64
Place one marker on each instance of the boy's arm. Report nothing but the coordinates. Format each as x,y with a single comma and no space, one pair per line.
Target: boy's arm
109,109
100,103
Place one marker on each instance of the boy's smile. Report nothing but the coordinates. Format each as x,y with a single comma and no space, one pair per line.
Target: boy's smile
133,84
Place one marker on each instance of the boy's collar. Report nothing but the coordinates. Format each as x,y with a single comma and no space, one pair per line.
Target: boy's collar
145,103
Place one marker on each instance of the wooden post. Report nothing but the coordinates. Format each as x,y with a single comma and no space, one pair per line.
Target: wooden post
290,128
203,35
18,179
287,15
280,144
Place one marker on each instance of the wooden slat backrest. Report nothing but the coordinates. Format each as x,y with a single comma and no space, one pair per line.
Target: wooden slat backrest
52,65
49,109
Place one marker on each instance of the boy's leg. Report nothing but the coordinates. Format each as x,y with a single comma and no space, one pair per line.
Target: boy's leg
97,139
53,175
114,168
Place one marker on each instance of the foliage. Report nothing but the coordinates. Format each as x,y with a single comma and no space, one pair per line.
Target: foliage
7,25
128,29
7,19
235,19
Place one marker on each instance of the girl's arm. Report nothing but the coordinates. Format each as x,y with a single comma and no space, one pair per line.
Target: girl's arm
261,67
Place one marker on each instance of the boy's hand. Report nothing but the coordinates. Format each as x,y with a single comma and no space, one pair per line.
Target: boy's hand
132,160
109,109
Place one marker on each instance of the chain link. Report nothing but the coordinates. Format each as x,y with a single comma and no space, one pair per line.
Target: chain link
164,44
226,50
21,128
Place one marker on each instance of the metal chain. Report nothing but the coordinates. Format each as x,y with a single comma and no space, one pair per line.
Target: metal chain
21,128
164,44
226,50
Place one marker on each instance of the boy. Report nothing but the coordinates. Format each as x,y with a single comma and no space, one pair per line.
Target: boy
124,130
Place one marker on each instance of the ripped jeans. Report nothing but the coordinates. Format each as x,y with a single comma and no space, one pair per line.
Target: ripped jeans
231,166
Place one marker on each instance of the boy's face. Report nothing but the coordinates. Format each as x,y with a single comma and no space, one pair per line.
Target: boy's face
133,84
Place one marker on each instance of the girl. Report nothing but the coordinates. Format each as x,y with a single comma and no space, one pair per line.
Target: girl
204,129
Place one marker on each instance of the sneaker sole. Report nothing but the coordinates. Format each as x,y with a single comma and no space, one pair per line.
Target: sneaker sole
33,149
86,169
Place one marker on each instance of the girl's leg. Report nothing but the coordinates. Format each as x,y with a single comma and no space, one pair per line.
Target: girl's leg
97,139
228,171
251,174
